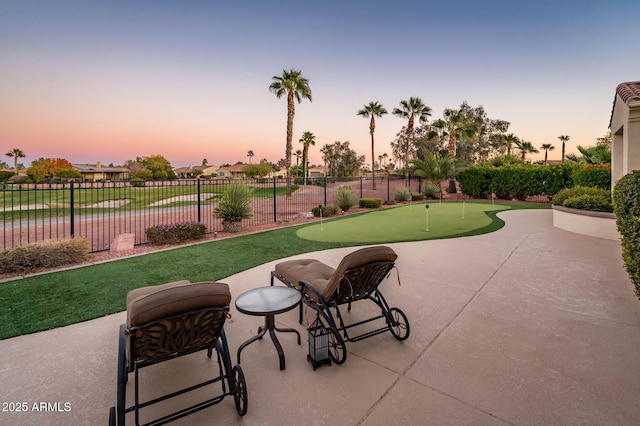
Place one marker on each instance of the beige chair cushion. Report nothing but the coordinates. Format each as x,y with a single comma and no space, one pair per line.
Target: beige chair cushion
326,279
148,304
313,271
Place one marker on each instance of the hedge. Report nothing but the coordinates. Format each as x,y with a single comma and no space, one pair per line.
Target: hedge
370,203
626,205
176,233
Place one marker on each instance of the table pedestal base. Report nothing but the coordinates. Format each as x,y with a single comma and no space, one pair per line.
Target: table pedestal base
270,325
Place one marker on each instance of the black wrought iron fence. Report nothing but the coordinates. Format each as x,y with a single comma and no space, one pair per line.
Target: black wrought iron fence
101,211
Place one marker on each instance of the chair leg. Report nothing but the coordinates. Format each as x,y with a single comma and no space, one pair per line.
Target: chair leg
122,376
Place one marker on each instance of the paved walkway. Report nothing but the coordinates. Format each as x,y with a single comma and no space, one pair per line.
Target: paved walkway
529,325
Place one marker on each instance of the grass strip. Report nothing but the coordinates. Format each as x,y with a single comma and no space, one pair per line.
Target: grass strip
61,298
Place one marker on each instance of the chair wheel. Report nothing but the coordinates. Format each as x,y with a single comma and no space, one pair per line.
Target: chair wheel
240,395
337,348
398,324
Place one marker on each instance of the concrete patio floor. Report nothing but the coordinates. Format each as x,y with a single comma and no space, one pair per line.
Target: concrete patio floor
528,325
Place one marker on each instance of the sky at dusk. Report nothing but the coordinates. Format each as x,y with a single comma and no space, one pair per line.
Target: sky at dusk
109,81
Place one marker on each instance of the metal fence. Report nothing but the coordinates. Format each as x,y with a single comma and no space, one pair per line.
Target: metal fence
100,211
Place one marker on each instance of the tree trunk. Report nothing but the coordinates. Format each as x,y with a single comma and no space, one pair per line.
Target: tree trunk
372,129
406,154
287,160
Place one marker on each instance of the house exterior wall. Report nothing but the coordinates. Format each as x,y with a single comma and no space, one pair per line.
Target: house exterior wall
625,133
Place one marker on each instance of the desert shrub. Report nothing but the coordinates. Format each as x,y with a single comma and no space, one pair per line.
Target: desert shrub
345,198
403,194
47,254
175,233
626,201
235,203
594,203
431,191
593,175
577,191
417,197
370,203
327,211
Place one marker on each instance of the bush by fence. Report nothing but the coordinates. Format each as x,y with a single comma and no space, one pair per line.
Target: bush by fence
370,203
47,254
520,182
626,200
175,233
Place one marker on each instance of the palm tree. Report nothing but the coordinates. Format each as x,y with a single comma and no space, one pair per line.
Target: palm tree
327,153
307,139
250,154
563,138
525,147
411,109
509,140
373,110
15,153
435,169
454,125
592,155
292,84
547,147
298,155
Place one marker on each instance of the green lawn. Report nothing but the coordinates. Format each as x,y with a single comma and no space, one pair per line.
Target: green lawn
52,300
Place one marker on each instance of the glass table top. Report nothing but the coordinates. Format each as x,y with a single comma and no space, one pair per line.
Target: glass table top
268,300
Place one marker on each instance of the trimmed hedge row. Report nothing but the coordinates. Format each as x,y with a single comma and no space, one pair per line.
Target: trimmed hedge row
370,203
176,233
520,182
626,202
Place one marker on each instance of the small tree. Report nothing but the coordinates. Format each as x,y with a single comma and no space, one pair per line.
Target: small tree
435,169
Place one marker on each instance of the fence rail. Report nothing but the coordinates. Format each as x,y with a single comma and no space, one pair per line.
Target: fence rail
100,211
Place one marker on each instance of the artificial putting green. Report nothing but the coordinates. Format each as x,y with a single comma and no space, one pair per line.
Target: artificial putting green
409,223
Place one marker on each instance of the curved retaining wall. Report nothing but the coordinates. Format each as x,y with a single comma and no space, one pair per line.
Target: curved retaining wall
592,224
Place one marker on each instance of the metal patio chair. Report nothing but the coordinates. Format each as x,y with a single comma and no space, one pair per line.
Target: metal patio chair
169,321
357,277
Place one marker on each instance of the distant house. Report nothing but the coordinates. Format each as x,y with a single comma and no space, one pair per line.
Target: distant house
97,172
189,172
232,172
316,172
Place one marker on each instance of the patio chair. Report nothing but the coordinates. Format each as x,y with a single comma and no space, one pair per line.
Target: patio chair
357,277
169,321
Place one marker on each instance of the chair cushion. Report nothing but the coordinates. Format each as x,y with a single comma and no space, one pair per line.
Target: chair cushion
356,259
313,271
148,304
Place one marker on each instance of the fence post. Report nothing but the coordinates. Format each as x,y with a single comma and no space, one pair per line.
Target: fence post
199,202
275,196
325,190
71,205
388,187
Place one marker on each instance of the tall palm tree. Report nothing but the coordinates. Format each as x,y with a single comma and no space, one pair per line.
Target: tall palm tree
563,138
455,124
327,154
525,147
592,155
307,139
547,147
411,109
292,84
298,155
15,153
372,110
509,140
250,154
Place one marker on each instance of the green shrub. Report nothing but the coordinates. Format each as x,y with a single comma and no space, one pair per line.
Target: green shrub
417,197
20,179
403,194
626,201
327,211
594,203
592,175
235,203
577,191
431,191
47,254
370,203
175,233
137,183
345,198
5,175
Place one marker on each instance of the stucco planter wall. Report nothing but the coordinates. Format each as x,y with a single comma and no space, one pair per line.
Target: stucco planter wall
593,224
